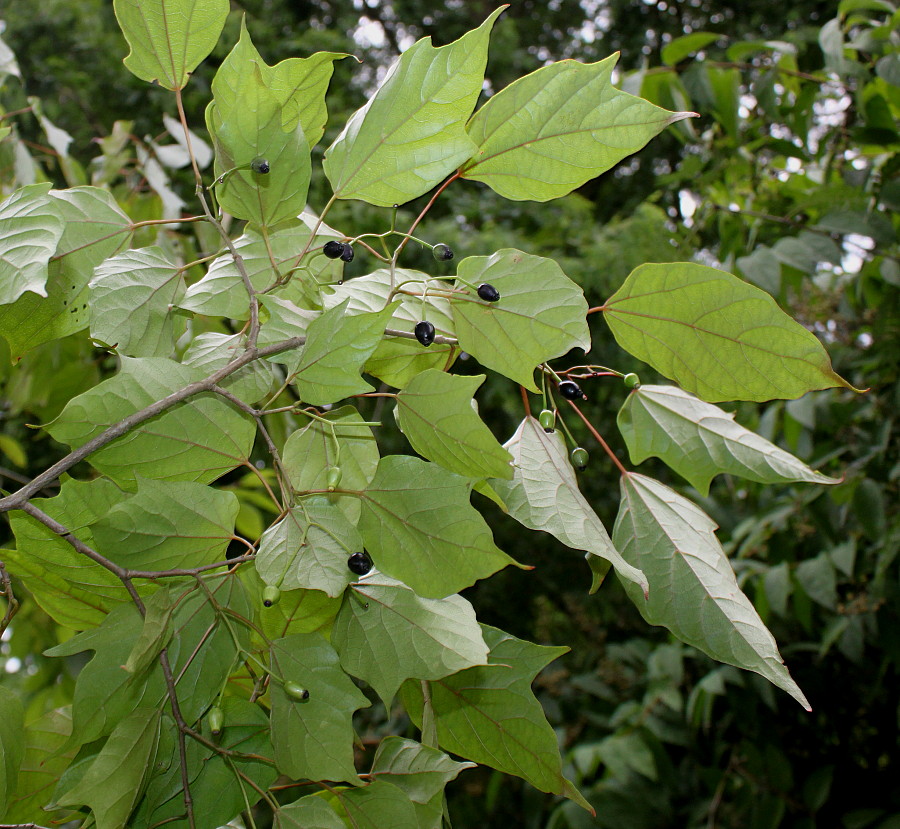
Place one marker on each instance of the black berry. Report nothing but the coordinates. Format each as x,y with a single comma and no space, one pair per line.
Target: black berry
442,252
571,391
488,293
259,165
424,332
360,563
347,253
333,250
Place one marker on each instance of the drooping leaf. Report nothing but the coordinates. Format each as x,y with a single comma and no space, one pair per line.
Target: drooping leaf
715,335
385,634
132,296
12,743
488,714
313,738
167,525
411,133
30,229
693,590
435,413
544,495
155,632
699,441
553,130
541,314
419,526
169,38
309,548
198,440
126,758
211,351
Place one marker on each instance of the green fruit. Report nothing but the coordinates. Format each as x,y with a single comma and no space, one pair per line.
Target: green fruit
259,165
547,419
333,478
442,252
296,692
579,458
632,380
271,595
216,719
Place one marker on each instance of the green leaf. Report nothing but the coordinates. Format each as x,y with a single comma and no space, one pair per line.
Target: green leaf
693,590
419,526
308,812
71,588
126,758
197,440
342,439
699,441
12,743
169,38
541,314
308,548
285,320
386,634
544,495
681,47
314,738
715,335
30,229
376,806
488,714
337,346
211,351
548,133
435,412
411,133
155,633
421,772
132,296
95,229
168,525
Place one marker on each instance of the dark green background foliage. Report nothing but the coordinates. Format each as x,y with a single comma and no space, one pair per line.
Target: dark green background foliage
790,168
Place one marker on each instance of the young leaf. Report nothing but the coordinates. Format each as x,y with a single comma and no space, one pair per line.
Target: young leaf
693,590
313,738
169,38
699,441
553,130
435,413
12,743
386,634
715,335
541,314
411,133
30,229
419,526
132,296
126,758
544,495
197,440
488,714
308,548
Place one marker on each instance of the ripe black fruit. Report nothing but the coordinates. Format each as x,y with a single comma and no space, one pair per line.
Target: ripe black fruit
333,250
424,332
442,252
360,563
488,293
571,391
347,253
259,165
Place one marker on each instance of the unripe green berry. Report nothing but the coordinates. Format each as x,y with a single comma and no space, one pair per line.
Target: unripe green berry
333,478
259,165
216,719
632,380
442,252
579,458
271,595
296,692
547,419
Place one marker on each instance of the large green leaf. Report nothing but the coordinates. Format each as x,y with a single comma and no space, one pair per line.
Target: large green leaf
419,526
74,590
541,314
488,714
313,738
385,634
544,495
715,335
553,130
699,441
30,229
435,412
95,229
12,743
132,296
168,525
411,133
197,440
169,38
309,548
127,759
693,590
